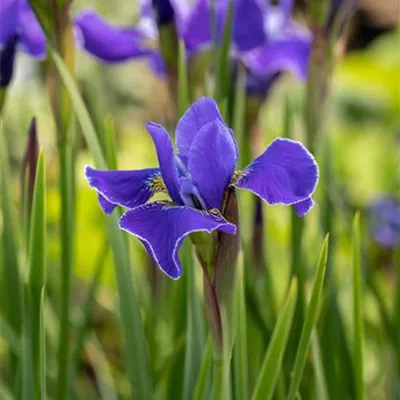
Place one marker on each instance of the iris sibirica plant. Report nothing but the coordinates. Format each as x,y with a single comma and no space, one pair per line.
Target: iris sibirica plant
197,179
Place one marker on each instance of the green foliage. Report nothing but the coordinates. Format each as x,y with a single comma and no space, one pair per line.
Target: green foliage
334,334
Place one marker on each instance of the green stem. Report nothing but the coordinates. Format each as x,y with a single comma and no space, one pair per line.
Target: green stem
66,230
218,389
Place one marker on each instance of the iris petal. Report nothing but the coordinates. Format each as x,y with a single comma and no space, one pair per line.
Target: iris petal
211,162
285,173
248,13
200,113
125,188
167,159
162,228
32,37
304,207
291,55
107,42
8,20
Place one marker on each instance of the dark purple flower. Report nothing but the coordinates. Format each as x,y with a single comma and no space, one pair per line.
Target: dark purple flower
18,28
196,180
384,221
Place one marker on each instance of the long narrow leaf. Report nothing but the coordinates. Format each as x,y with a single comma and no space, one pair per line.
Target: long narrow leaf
240,380
135,350
311,318
272,364
37,268
200,390
42,350
358,312
183,84
195,325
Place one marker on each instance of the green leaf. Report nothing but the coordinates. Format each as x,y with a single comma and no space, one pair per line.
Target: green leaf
10,282
42,352
240,378
135,349
183,90
311,318
201,387
37,269
358,311
272,364
320,383
195,331
223,67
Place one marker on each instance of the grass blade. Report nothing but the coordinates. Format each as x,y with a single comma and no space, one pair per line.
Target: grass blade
240,379
37,272
195,331
358,311
320,383
271,367
135,350
183,90
311,318
201,387
42,350
223,67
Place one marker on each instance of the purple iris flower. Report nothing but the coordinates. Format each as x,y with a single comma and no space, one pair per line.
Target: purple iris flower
114,44
18,28
196,178
384,221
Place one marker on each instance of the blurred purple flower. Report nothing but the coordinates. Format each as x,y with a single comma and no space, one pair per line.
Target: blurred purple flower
196,179
18,28
384,221
114,44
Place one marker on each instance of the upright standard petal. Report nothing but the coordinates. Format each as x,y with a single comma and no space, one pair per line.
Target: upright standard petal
32,36
211,162
9,10
162,228
107,42
125,188
167,159
290,55
286,173
248,13
200,113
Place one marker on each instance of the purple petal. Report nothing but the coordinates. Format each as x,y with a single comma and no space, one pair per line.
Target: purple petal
200,113
32,37
384,221
291,55
8,20
162,228
285,173
166,158
211,162
248,13
304,207
107,42
125,188
157,64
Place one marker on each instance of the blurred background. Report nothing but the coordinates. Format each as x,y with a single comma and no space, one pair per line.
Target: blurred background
364,131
